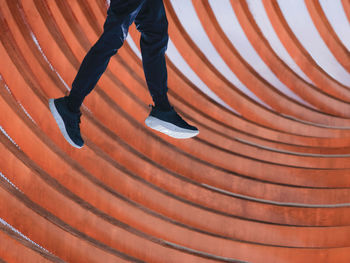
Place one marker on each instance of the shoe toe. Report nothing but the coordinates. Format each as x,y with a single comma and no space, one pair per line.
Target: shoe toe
192,128
77,140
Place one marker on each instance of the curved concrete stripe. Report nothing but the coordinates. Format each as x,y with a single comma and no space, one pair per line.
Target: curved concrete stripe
5,224
8,136
346,6
324,83
15,247
182,65
299,20
8,181
25,111
337,18
260,16
174,55
234,32
40,227
257,185
192,113
118,183
188,18
89,193
180,85
247,74
251,79
328,34
222,87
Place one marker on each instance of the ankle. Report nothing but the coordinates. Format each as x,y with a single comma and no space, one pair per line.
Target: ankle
162,103
73,104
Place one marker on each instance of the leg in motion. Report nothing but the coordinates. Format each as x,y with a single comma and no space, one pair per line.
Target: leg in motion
66,110
120,16
151,21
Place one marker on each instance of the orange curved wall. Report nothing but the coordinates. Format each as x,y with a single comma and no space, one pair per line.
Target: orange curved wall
266,180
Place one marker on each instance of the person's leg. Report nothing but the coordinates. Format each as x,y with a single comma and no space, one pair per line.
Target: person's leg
153,25
66,110
151,21
120,15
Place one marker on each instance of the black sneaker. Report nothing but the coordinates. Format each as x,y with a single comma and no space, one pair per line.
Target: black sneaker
67,121
170,123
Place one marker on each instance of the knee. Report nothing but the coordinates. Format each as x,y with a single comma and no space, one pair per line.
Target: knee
155,33
115,31
110,42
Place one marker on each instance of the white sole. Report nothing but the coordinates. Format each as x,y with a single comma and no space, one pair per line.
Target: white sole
169,128
60,123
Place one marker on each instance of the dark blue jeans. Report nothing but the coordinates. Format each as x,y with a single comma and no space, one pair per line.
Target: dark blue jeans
150,19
